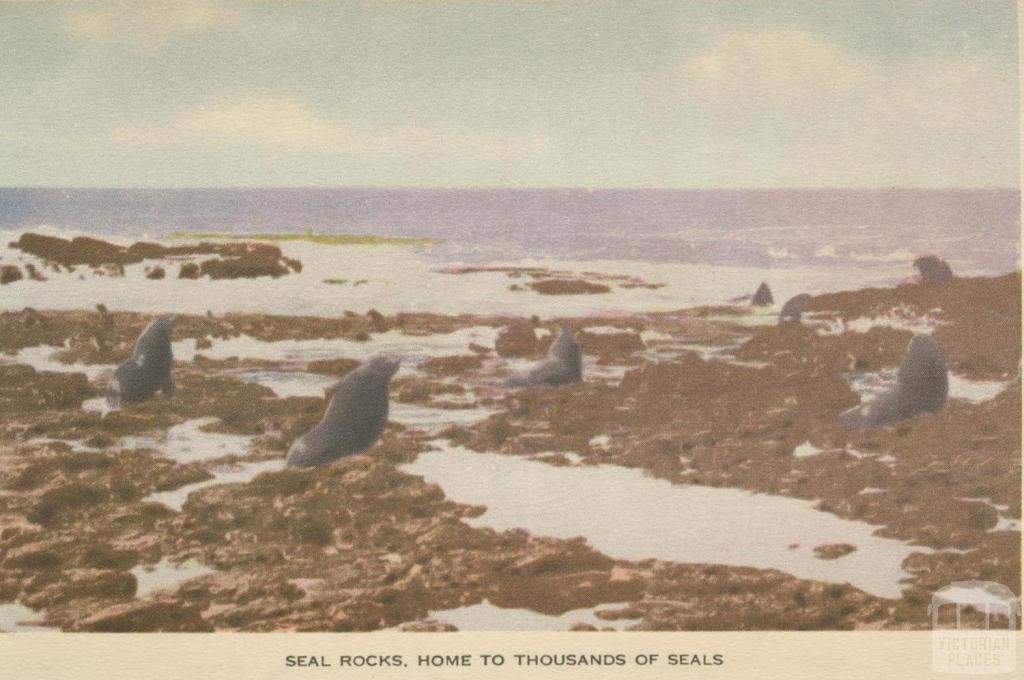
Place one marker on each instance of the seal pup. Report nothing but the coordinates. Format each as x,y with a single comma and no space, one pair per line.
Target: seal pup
563,366
355,417
148,369
794,308
763,296
933,269
922,385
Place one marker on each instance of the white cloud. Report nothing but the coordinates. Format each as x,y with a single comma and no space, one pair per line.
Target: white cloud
145,24
777,106
290,125
770,62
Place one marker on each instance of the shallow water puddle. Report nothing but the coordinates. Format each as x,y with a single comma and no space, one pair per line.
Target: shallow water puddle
166,575
96,405
432,419
412,348
291,383
77,445
806,450
627,515
41,358
188,442
1006,524
14,618
870,385
974,391
916,325
488,617
236,473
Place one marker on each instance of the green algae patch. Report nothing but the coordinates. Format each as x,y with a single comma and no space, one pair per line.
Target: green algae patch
321,239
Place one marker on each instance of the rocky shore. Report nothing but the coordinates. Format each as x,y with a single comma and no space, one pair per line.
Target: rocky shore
695,397
232,260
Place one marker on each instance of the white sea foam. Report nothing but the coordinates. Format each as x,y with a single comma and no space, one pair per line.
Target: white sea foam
400,278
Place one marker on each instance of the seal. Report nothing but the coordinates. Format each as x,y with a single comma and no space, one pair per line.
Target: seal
148,369
933,269
922,386
794,308
563,366
763,296
355,418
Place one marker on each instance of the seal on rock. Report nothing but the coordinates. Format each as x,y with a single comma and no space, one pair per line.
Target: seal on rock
933,269
922,386
148,369
563,366
794,308
355,418
763,296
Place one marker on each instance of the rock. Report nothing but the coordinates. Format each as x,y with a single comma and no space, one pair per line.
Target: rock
9,273
147,251
155,273
833,551
453,365
427,626
610,344
249,266
34,273
377,321
80,584
568,287
338,367
517,340
763,296
237,260
34,556
582,628
63,500
146,616
189,270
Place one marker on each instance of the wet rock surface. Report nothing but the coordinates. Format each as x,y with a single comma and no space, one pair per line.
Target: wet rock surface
361,545
234,260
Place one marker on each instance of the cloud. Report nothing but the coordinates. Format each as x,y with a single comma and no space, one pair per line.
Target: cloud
146,24
769,62
779,105
290,125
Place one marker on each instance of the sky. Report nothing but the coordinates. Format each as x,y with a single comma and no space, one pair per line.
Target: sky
676,93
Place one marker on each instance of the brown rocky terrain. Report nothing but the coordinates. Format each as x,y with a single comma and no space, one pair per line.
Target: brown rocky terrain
361,545
233,259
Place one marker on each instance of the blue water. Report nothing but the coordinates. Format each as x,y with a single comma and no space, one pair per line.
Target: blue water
977,230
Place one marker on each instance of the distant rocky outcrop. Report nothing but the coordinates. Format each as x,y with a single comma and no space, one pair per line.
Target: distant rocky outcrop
763,296
10,273
234,260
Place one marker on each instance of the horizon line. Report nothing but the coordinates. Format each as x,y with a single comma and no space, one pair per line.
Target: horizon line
407,187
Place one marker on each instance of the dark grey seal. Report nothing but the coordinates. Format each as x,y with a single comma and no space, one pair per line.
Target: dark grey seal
763,296
922,385
148,369
355,416
933,269
564,364
794,308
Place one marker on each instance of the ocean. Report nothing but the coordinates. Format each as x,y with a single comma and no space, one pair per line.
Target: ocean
705,245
